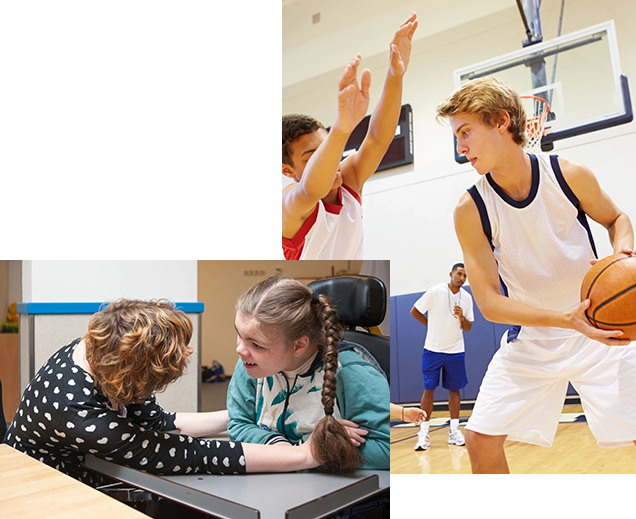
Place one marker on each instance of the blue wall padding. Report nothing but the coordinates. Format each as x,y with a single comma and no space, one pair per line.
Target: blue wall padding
395,394
407,341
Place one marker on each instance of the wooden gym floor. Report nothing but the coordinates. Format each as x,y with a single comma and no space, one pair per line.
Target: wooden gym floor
574,450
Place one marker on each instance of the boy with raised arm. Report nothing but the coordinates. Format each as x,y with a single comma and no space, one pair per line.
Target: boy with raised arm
322,209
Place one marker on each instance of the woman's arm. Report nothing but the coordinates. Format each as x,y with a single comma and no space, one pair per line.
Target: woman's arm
110,436
279,457
107,434
407,414
202,425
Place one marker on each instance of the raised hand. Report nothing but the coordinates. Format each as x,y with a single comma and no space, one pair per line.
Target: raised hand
401,46
353,99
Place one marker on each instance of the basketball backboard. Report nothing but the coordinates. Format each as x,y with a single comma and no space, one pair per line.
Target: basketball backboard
578,74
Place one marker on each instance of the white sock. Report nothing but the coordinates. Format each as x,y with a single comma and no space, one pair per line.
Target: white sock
424,427
454,424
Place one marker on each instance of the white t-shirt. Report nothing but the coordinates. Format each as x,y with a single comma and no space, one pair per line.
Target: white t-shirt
444,329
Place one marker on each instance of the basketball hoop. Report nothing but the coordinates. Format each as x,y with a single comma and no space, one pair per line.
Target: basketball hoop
537,110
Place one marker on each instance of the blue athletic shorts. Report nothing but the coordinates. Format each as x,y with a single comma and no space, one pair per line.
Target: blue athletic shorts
450,364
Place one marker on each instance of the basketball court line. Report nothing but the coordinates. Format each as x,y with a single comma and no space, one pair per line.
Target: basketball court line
442,421
438,423
574,451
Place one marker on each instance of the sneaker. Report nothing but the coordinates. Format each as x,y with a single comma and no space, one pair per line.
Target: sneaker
423,442
456,437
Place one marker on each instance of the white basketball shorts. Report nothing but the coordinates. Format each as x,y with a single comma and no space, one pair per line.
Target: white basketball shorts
523,391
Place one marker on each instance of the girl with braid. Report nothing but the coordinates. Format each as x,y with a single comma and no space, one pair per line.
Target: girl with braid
295,376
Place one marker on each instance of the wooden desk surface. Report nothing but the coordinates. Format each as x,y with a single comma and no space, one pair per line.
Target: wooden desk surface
30,489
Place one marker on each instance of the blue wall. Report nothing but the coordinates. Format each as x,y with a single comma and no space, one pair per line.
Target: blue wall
407,341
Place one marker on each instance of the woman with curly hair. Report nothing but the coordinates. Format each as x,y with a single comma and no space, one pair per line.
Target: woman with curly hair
96,395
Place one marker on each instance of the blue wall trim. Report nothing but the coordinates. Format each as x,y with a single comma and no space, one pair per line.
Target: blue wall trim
42,308
407,341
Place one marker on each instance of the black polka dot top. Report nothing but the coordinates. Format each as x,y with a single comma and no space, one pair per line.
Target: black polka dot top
62,417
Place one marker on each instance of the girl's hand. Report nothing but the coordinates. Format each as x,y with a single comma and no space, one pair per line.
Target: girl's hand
353,430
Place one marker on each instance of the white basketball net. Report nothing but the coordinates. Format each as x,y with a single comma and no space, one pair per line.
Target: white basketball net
537,111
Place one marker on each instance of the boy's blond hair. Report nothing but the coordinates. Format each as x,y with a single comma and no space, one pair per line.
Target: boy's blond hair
487,97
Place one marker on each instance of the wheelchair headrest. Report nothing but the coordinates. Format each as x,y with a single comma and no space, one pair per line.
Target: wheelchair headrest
359,300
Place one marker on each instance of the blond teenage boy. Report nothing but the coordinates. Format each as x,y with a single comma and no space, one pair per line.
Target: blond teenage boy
523,224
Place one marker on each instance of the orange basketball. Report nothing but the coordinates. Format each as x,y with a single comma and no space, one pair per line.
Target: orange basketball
610,285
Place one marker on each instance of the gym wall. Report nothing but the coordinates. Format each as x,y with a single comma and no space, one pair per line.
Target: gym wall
409,211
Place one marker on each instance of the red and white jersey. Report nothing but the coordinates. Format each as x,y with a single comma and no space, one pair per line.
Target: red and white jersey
332,231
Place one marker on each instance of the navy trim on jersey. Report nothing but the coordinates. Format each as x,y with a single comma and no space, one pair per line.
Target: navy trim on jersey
581,217
483,214
513,332
554,161
534,188
485,225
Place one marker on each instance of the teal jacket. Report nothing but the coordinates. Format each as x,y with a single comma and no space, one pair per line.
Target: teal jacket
273,409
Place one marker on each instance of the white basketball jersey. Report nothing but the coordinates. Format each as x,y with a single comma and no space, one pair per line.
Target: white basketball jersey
332,232
543,244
